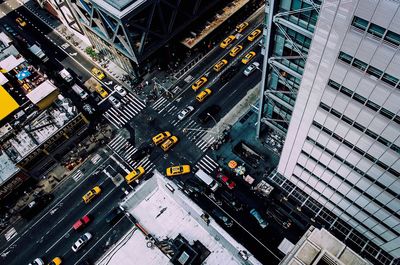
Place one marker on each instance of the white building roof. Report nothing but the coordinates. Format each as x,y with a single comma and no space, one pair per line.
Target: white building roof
3,79
164,214
41,91
119,8
11,62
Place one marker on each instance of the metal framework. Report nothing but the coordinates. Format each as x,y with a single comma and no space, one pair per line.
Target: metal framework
145,28
275,63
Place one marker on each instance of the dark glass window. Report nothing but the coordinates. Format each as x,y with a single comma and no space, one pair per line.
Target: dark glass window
359,98
336,113
389,79
386,113
374,71
373,105
371,134
345,57
346,91
347,120
333,84
376,30
360,64
359,127
360,23
393,38
397,119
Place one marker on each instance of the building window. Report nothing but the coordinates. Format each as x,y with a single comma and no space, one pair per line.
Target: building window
334,85
373,105
345,57
346,91
393,38
386,113
374,71
376,30
360,64
360,23
389,79
359,98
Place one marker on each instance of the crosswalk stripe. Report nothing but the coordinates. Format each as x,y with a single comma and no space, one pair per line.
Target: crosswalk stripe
112,122
166,106
130,111
159,102
136,108
77,175
120,144
115,115
206,157
123,114
134,99
116,140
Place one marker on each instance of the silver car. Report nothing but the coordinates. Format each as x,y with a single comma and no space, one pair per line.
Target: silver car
120,90
114,101
185,112
251,68
81,242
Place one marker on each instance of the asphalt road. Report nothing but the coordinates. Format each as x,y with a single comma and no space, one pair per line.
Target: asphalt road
51,234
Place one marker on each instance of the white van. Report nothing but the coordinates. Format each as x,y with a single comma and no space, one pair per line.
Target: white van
66,75
78,90
211,183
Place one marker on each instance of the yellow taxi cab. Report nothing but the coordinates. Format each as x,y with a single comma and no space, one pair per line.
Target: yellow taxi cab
101,91
177,170
241,27
134,175
90,195
235,50
219,65
254,35
203,95
161,137
55,261
199,83
169,143
227,41
20,22
247,58
98,73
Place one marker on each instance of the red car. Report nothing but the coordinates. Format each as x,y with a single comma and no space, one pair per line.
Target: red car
81,223
225,179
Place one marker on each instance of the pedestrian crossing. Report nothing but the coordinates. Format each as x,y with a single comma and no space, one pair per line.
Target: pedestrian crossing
202,137
131,106
125,150
77,175
207,164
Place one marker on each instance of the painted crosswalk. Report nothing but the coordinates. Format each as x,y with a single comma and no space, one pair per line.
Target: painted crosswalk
131,106
125,150
77,175
202,137
207,164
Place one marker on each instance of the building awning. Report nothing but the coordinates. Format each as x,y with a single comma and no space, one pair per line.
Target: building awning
41,91
11,62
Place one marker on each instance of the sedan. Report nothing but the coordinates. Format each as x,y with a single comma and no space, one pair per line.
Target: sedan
115,102
178,170
248,57
199,83
259,219
225,179
185,112
120,90
82,241
37,261
251,68
55,261
21,22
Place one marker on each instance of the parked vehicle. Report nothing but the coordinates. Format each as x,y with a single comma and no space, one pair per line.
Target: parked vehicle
207,179
258,217
66,75
218,214
251,68
225,180
37,51
80,91
114,216
81,242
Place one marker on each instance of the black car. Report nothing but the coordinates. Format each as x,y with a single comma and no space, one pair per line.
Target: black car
229,73
141,152
218,214
229,199
209,112
114,215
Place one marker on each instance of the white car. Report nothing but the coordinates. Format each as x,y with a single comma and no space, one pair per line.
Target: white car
81,242
251,68
89,109
114,101
37,261
120,90
185,112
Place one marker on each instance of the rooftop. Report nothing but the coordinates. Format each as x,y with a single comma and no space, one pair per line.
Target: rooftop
119,8
170,215
318,246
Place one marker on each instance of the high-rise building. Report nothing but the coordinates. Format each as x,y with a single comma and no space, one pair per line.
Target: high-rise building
287,37
340,163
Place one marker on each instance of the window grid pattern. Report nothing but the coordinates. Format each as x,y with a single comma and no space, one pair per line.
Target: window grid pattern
373,106
385,77
359,171
389,37
327,218
358,150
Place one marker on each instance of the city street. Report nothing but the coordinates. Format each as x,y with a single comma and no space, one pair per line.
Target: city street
135,122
